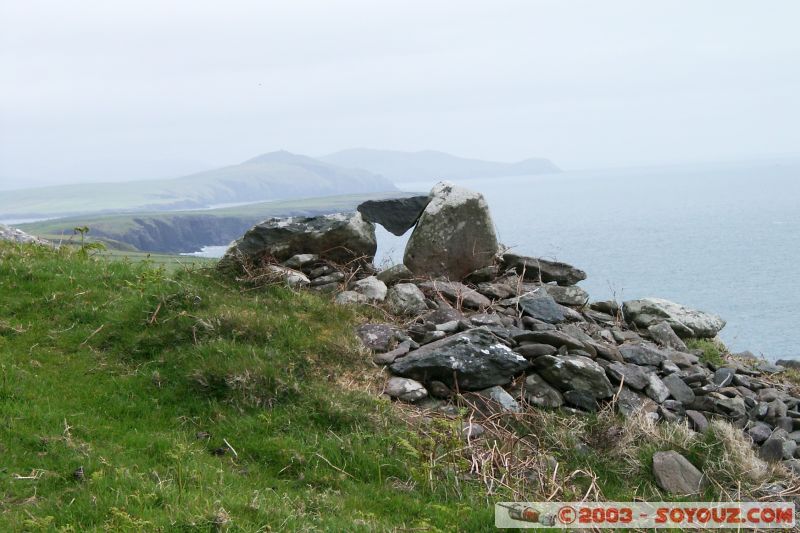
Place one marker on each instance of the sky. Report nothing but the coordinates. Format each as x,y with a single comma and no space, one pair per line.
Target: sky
119,90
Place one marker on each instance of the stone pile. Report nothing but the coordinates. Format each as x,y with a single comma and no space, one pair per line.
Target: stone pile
517,330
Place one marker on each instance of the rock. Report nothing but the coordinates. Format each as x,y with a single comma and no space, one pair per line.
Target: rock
405,389
292,278
629,402
449,327
656,389
388,358
471,430
759,432
553,338
574,373
769,368
642,354
566,295
395,274
372,288
532,351
723,376
733,408
631,375
475,358
539,305
538,392
482,275
406,299
454,236
697,421
348,297
439,389
443,314
684,321
542,270
581,399
301,261
342,237
609,307
377,337
678,389
794,364
334,277
456,292
397,215
497,290
17,235
772,450
675,474
499,395
664,335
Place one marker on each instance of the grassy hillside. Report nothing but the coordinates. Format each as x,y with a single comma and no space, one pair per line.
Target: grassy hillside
149,382
431,165
137,399
187,231
267,177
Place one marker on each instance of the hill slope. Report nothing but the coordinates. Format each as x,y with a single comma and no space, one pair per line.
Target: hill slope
273,176
432,165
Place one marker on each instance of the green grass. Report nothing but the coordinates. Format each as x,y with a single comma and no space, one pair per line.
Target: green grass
149,376
117,366
711,350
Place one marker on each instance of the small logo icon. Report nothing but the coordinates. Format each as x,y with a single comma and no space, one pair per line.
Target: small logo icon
566,515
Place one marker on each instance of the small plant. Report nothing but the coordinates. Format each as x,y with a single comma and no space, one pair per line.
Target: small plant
712,351
87,248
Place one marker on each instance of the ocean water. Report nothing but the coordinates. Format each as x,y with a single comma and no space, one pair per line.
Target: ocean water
721,238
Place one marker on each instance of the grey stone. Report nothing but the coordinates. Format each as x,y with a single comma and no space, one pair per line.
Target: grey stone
656,389
456,292
553,338
348,297
395,274
496,290
476,359
567,295
723,376
682,359
664,335
772,450
759,432
574,373
372,288
538,392
532,351
406,299
334,277
678,389
641,354
697,421
542,270
301,261
471,430
397,215
377,337
502,398
454,236
630,402
405,389
686,322
342,237
733,408
439,389
675,474
538,305
631,375
482,274
581,399
388,358
290,277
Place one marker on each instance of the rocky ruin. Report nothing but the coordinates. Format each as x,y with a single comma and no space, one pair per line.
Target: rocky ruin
474,318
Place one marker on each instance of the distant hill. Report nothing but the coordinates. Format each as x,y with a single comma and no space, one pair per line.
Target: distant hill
431,165
268,177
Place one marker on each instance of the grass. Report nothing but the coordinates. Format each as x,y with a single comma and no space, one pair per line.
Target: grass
711,351
136,397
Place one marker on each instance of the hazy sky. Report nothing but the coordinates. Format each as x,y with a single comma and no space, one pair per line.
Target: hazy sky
120,89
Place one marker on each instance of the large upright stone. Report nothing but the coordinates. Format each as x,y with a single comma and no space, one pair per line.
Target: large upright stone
397,215
454,235
341,237
684,321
